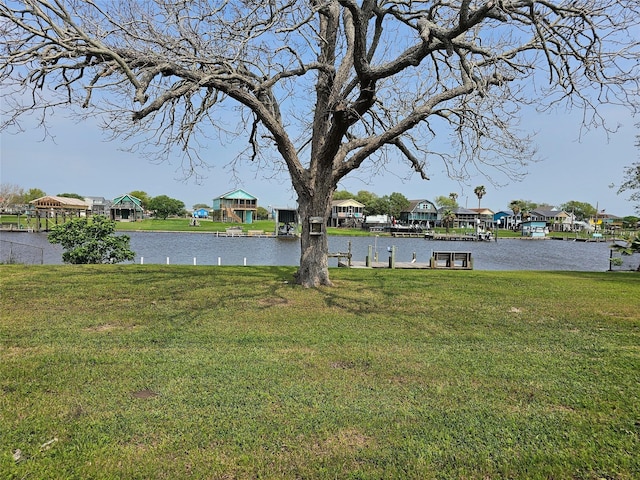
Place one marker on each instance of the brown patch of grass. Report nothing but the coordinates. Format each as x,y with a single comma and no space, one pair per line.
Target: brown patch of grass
24,351
345,440
108,327
145,393
272,301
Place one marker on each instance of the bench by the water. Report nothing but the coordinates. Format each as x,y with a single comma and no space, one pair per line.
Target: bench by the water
453,260
340,256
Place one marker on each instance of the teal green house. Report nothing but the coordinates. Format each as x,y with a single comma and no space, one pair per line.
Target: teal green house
236,206
126,208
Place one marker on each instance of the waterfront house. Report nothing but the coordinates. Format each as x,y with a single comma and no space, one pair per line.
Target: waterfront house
98,205
485,217
556,220
422,212
126,208
346,213
236,206
465,217
609,221
501,218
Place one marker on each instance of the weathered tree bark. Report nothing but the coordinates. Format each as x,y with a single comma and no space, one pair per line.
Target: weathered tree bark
314,264
315,204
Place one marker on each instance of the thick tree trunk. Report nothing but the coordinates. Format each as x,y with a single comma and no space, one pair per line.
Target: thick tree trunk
314,264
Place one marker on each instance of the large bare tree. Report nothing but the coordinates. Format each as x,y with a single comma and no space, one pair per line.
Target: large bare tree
322,88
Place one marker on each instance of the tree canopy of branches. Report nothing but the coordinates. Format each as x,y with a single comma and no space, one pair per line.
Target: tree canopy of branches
390,205
142,196
32,194
448,202
14,195
523,207
632,183
629,247
164,206
581,210
71,195
322,88
10,194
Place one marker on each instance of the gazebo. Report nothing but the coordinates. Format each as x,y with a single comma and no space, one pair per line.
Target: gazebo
54,207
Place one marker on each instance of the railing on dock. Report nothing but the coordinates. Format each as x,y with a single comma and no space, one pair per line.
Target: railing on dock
339,255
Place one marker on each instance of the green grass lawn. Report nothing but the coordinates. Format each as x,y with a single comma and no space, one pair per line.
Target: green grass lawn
182,224
146,372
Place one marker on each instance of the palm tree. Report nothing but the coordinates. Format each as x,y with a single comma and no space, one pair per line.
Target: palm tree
448,217
479,191
454,196
515,208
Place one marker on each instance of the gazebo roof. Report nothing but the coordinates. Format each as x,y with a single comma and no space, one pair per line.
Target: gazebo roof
52,201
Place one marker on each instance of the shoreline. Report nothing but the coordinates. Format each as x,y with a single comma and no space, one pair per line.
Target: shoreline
262,234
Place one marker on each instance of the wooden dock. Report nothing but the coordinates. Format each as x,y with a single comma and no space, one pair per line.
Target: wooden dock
581,239
459,237
397,265
438,260
408,234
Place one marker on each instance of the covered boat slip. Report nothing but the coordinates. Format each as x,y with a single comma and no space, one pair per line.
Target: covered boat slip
287,223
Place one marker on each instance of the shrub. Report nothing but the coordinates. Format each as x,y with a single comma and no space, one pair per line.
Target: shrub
92,241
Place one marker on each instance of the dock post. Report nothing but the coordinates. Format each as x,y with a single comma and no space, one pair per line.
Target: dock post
392,257
368,259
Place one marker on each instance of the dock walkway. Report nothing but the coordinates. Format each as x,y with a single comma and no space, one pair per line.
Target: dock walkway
438,260
398,265
460,237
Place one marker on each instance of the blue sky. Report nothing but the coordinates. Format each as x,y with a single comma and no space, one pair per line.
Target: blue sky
81,161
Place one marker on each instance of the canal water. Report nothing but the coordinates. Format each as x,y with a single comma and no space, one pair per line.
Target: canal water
209,249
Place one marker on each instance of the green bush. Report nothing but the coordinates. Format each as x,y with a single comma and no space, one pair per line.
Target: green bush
91,241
